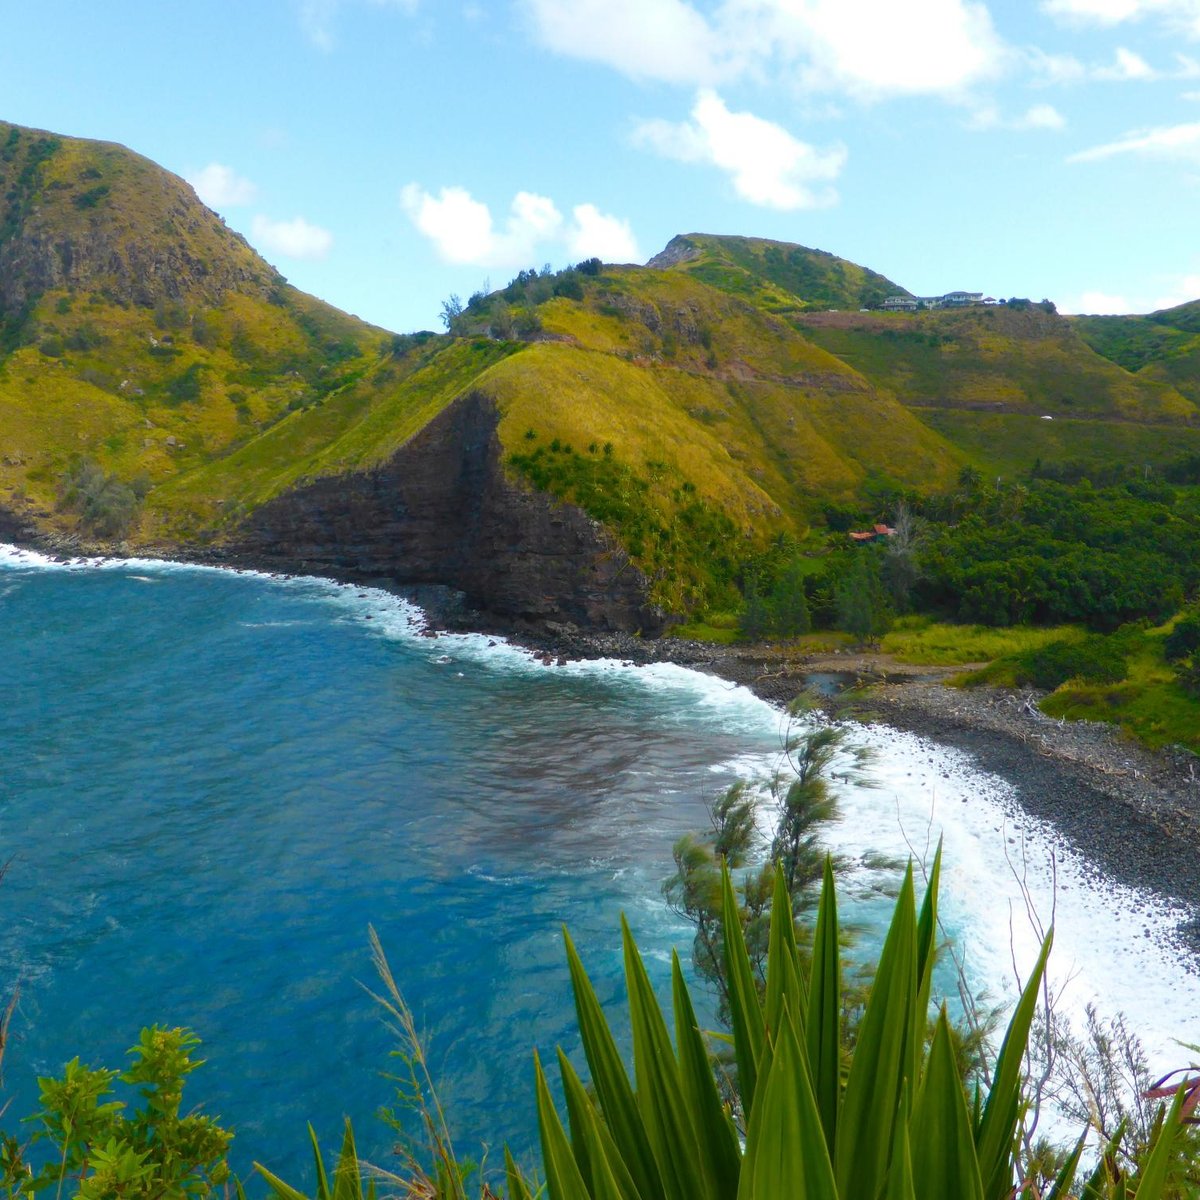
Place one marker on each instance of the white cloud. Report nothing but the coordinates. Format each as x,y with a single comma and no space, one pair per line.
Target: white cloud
646,39
871,48
296,238
768,166
222,187
1126,66
317,17
463,231
597,235
868,48
1183,289
1178,290
1171,141
1180,15
1100,304
1036,117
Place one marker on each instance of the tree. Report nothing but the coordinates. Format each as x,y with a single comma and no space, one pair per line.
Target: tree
862,607
452,309
900,570
801,800
789,604
754,617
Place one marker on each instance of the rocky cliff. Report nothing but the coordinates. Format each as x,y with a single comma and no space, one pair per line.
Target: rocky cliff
442,511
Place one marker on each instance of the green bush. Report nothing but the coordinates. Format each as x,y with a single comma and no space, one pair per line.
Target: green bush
105,506
1094,660
102,1148
1183,640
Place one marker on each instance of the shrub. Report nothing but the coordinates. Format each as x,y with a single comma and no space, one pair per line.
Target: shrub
1183,640
104,1148
106,506
1094,660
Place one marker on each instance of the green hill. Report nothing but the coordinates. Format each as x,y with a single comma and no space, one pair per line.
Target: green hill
1163,347
136,329
777,276
599,431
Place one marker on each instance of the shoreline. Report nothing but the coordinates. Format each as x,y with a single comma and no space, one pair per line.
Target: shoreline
1132,812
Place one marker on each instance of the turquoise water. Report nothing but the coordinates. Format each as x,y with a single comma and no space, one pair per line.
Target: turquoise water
212,783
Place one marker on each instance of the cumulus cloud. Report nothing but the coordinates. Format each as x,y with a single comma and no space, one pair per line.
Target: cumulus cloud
1100,304
1179,290
463,231
593,234
318,17
667,40
1126,66
1181,15
296,238
222,187
869,48
768,166
1036,117
1169,141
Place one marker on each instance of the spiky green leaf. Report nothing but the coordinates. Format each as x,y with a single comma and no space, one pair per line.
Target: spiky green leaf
660,1090
943,1150
612,1085
998,1126
563,1177
745,1012
590,1138
877,1073
720,1152
790,1158
823,1027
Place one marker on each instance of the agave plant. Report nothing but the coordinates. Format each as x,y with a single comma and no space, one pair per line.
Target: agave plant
897,1125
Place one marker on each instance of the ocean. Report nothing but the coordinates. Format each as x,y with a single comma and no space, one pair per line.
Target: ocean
213,782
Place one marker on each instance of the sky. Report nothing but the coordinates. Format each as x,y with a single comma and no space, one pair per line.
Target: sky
386,154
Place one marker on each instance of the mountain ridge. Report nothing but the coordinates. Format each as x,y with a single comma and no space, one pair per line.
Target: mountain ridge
678,417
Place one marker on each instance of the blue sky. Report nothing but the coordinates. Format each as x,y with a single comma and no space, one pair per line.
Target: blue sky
384,154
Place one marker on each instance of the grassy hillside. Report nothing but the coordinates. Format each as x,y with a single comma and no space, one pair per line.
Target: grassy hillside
1163,347
699,408
692,424
138,331
777,276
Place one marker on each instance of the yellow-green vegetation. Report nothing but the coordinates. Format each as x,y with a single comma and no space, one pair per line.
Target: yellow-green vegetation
777,276
1164,346
159,382
997,359
1011,444
924,642
138,331
1123,679
718,627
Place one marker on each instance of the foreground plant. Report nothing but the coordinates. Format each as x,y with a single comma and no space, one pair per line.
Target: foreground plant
91,1145
899,1124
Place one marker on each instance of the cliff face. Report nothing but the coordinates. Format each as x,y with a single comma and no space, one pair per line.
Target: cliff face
441,511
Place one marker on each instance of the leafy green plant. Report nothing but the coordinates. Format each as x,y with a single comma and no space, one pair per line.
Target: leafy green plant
897,1124
101,1148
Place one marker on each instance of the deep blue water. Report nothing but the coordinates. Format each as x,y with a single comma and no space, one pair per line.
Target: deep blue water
211,783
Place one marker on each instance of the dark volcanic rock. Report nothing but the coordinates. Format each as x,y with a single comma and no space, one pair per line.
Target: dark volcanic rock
442,511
